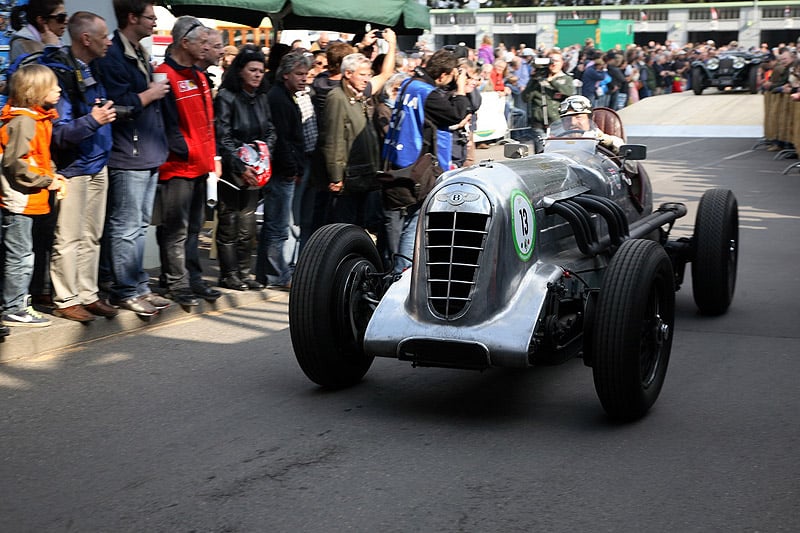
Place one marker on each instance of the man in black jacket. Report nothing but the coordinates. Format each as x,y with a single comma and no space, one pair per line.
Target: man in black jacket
296,127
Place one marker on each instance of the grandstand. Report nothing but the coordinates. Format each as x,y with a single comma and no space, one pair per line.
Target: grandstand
551,23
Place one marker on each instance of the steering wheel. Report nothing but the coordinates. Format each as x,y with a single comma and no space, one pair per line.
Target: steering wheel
570,132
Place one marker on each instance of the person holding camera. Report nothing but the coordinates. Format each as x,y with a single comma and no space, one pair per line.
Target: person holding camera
81,145
139,148
548,87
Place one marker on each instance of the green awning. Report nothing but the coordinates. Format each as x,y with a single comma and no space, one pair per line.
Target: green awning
404,16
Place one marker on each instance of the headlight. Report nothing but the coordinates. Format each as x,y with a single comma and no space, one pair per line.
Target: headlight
713,64
738,62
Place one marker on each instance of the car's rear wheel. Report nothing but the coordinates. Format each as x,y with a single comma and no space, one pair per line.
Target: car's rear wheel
632,334
716,251
331,303
697,80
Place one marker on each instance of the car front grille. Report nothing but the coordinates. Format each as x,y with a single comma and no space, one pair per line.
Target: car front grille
454,242
725,66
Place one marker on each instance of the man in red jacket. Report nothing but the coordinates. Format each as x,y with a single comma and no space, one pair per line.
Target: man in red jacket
189,120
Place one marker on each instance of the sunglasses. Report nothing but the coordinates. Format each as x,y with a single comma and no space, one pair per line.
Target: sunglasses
61,18
578,106
190,30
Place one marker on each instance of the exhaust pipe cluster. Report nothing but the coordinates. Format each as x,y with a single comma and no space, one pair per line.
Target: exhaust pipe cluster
578,212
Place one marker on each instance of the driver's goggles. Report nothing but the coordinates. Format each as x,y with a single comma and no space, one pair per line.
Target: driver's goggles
577,106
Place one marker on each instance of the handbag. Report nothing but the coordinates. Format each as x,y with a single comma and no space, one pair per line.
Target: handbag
410,185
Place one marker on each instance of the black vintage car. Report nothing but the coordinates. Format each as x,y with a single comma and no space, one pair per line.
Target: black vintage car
730,70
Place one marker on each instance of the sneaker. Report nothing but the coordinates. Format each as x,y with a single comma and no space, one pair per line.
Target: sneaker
159,302
4,331
29,317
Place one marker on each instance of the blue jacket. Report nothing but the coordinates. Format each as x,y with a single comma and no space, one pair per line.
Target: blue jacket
140,142
80,145
405,141
591,78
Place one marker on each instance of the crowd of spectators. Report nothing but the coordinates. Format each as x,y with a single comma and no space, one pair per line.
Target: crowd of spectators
138,144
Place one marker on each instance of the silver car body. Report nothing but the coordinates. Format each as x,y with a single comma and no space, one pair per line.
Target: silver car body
488,257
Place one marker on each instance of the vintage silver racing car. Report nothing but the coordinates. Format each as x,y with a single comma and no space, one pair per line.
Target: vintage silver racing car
530,261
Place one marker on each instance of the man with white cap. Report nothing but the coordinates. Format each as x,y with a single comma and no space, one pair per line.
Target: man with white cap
576,112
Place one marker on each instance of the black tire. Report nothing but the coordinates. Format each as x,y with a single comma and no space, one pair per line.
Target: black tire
327,314
632,331
698,77
752,80
716,251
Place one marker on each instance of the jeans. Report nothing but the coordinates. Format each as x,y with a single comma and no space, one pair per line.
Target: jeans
182,204
271,264
18,264
303,208
130,207
401,232
44,227
76,249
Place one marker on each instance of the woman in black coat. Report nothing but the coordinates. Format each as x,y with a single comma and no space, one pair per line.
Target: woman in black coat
242,117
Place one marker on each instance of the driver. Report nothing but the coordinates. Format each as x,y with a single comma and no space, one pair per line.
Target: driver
576,112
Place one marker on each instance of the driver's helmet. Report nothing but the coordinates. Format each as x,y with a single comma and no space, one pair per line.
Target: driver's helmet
256,155
575,105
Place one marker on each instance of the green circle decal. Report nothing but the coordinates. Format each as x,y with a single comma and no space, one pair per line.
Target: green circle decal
523,224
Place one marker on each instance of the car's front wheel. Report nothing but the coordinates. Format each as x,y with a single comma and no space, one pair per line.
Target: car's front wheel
697,80
632,333
334,289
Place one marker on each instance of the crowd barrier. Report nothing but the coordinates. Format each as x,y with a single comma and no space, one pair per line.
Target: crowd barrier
782,125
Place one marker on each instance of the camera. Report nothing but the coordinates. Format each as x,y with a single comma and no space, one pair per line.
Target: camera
379,34
541,67
124,112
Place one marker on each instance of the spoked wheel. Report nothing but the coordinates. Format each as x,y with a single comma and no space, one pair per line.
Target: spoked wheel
334,290
632,334
716,251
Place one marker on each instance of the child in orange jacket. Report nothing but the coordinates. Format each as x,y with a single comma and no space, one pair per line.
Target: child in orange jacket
28,175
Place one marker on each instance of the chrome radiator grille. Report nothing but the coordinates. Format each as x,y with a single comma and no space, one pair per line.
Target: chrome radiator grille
454,242
725,66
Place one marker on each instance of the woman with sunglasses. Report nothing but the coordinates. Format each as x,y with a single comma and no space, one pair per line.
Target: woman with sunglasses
242,116
39,23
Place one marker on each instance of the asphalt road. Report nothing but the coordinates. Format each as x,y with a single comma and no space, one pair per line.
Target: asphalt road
209,425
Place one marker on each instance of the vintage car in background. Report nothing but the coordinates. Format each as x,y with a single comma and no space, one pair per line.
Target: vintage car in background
529,261
730,70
